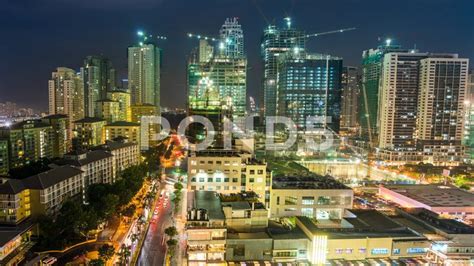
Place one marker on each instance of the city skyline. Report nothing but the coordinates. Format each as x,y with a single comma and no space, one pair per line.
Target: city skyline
423,31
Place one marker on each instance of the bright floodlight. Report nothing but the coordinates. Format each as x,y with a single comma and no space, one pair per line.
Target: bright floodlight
388,41
140,33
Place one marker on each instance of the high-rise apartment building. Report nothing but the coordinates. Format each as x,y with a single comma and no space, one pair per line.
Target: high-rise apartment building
398,101
372,61
275,42
66,95
88,132
350,82
61,140
144,64
4,157
469,123
309,85
441,108
28,141
108,110
98,78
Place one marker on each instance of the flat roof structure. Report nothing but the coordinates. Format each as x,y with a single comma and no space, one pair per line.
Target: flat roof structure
307,182
441,199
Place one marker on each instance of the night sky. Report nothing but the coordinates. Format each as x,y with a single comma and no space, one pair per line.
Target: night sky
36,36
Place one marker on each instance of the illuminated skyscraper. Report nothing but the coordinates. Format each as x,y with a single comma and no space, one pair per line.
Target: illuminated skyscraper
469,124
372,61
217,85
276,42
441,108
232,39
144,64
349,99
98,77
309,85
66,96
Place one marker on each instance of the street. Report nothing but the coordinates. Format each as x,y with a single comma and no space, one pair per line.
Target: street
154,246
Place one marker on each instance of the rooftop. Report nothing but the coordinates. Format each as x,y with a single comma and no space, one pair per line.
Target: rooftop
56,116
12,186
209,201
80,158
89,120
435,195
218,153
450,226
51,177
115,145
312,181
365,223
123,124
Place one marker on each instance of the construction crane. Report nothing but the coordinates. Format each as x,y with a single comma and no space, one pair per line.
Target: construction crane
203,37
143,37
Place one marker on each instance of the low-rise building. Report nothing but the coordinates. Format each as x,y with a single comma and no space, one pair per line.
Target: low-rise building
125,153
98,165
123,129
205,229
445,200
452,242
228,171
14,202
314,196
15,243
50,189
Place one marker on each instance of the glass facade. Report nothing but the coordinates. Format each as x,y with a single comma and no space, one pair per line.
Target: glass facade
309,85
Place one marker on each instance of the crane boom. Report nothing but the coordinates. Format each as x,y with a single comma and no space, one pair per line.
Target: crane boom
202,37
328,32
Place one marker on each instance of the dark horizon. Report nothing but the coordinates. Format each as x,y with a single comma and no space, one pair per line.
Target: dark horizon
38,37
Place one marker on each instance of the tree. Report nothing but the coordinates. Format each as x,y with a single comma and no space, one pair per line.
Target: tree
129,211
134,237
124,254
96,262
171,231
171,243
178,186
106,252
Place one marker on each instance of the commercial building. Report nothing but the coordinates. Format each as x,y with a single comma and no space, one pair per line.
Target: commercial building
350,83
108,110
66,95
144,70
15,243
228,171
319,197
98,77
28,141
88,132
364,236
275,42
452,242
124,101
123,129
309,85
441,109
447,201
